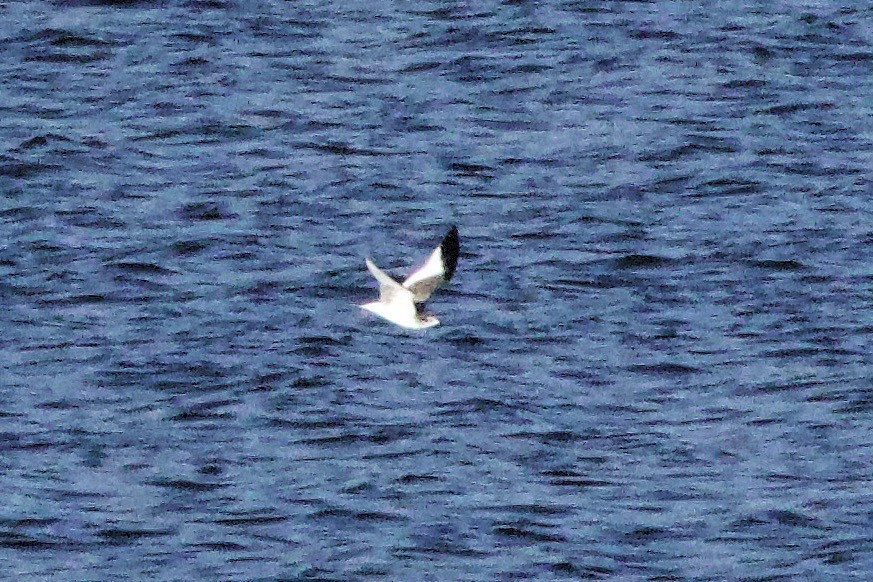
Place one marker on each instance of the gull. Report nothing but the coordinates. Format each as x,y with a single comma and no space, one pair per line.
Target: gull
403,304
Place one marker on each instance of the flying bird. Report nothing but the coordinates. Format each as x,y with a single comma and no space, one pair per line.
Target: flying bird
404,304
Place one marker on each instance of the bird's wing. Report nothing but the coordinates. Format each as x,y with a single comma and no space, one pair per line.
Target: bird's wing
389,289
395,302
438,268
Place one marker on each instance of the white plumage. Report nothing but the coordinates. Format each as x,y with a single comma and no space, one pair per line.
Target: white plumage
401,304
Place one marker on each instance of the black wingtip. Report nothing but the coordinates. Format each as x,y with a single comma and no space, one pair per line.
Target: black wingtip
450,248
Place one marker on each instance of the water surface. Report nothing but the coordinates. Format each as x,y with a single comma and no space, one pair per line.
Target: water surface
654,359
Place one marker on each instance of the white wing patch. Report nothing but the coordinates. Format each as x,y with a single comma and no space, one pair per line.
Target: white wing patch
424,281
438,269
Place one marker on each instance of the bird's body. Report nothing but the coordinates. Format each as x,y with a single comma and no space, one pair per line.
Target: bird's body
402,304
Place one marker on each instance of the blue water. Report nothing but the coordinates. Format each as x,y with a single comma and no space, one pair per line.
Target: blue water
654,361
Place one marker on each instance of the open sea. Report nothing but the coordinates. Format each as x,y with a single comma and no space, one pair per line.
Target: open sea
655,360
